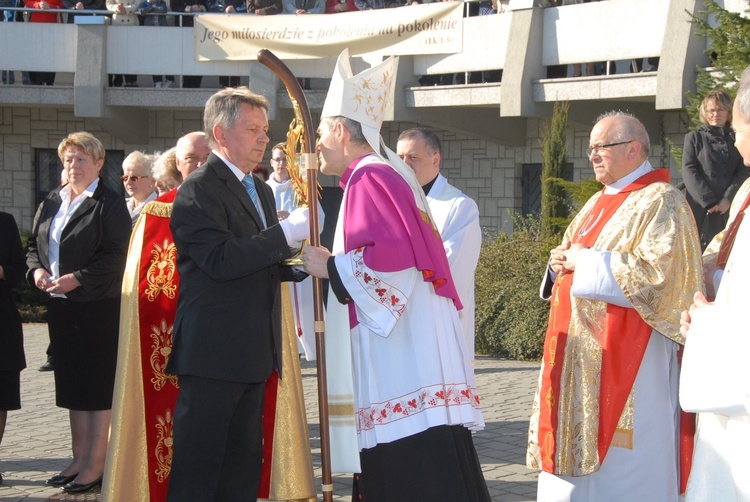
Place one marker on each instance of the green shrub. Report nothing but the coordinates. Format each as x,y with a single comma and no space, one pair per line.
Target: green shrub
27,297
511,319
27,300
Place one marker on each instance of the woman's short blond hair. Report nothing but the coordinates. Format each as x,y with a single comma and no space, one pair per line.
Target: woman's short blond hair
86,142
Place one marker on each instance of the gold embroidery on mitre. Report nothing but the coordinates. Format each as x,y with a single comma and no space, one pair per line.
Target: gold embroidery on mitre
161,348
371,96
161,271
164,444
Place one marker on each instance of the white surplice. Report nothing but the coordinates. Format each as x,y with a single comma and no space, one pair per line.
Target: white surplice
456,217
390,363
715,382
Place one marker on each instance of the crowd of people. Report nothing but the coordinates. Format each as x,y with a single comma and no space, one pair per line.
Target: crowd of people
176,345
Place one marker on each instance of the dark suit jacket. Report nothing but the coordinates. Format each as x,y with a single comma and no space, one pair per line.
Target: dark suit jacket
93,245
228,322
14,266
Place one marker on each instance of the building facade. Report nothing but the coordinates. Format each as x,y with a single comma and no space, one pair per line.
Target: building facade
490,130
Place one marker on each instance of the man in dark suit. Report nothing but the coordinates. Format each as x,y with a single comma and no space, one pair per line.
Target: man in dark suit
227,332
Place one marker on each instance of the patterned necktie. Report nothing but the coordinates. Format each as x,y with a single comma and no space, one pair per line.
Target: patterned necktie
249,183
727,241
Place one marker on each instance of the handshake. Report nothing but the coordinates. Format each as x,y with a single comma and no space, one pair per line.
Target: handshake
296,227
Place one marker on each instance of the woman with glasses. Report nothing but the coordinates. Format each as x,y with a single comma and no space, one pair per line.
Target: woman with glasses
76,257
712,168
139,183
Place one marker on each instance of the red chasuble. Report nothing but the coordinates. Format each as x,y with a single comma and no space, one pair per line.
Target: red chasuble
621,355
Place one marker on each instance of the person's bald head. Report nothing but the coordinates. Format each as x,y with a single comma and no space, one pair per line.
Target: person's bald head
191,152
618,145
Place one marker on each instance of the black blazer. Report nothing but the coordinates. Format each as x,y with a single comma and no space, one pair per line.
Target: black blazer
14,267
228,321
712,167
93,245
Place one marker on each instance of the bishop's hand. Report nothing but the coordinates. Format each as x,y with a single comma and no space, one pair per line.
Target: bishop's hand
315,260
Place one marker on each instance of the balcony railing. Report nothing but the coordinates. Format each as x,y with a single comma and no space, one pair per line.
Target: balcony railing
522,42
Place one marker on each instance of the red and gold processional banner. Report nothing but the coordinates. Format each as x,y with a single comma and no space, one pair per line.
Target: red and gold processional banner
139,457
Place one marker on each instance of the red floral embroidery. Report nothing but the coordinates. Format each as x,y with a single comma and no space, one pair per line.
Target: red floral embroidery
387,295
423,399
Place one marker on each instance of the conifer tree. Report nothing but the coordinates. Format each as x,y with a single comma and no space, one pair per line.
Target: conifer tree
555,205
729,53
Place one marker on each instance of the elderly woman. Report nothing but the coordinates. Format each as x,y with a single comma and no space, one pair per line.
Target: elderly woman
166,174
712,168
76,257
139,182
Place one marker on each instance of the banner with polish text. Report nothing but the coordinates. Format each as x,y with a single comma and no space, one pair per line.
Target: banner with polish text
434,28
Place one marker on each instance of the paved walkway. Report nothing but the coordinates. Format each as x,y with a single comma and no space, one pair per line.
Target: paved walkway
37,439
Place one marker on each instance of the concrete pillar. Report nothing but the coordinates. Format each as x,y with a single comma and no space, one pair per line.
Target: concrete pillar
263,81
681,51
91,69
523,64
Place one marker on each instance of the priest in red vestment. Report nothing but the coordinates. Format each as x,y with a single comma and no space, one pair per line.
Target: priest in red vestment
606,422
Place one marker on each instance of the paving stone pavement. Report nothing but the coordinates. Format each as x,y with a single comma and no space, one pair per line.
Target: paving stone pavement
37,439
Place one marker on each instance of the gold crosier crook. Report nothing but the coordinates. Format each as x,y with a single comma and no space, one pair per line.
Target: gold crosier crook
300,133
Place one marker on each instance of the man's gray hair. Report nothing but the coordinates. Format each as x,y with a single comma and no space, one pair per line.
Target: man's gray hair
223,108
354,128
631,129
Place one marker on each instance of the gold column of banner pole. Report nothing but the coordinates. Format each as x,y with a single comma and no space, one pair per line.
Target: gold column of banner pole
309,162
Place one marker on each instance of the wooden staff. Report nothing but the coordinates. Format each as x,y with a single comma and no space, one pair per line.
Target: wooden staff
310,163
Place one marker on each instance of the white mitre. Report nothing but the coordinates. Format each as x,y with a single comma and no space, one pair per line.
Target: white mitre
363,98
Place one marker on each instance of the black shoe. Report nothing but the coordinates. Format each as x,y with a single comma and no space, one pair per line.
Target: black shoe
74,487
60,480
47,366
1,479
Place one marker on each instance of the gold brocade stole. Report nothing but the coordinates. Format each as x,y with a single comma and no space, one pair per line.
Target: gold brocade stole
621,356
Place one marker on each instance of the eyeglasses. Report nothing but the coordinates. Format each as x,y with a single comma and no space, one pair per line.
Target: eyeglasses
717,111
279,160
595,149
131,178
